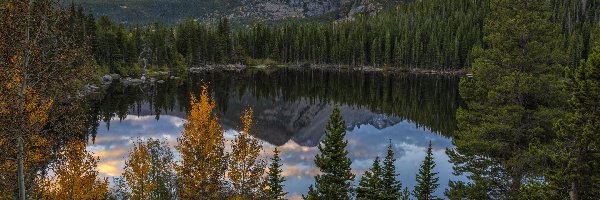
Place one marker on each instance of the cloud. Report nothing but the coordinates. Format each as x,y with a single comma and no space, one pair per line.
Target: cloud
111,168
364,144
112,153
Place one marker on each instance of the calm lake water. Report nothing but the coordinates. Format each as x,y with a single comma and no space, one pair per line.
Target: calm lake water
291,108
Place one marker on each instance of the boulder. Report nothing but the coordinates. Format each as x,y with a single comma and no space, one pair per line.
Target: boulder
107,78
115,76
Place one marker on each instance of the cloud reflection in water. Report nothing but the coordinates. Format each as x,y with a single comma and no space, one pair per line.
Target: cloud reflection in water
364,143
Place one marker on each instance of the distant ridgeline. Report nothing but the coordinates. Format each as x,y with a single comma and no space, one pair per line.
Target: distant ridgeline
144,12
434,34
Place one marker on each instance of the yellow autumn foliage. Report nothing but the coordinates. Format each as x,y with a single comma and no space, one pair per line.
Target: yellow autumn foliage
201,145
75,176
42,65
137,172
246,169
28,120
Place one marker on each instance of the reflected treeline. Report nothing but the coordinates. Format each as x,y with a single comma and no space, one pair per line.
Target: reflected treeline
429,101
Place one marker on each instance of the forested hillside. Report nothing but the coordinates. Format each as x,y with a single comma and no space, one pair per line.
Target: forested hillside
435,34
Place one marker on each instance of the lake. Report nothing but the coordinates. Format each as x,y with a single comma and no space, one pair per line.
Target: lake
291,108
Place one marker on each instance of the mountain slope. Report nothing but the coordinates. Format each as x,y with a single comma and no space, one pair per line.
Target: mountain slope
171,11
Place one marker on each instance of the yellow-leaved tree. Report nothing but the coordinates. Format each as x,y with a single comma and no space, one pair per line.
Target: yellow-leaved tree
246,169
148,171
75,176
137,171
34,115
201,145
42,66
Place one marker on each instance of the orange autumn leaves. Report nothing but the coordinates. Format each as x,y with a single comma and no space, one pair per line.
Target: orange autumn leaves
202,148
206,170
205,165
148,172
137,171
24,112
246,168
75,176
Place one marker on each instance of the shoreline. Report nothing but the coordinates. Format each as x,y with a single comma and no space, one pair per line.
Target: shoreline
239,67
160,77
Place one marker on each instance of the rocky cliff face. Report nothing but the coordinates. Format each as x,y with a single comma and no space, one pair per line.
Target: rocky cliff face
283,9
149,11
303,121
278,121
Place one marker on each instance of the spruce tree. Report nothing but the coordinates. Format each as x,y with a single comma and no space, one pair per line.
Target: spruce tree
371,183
405,194
427,183
511,101
274,178
577,174
335,180
391,186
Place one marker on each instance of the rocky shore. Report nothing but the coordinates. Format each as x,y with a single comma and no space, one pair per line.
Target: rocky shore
161,76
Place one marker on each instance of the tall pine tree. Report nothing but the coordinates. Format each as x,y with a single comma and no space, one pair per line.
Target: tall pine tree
578,173
511,101
391,186
335,180
427,183
274,178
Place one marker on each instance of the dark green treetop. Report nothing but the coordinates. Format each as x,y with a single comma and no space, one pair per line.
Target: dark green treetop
371,183
391,186
335,182
274,178
511,101
427,182
577,175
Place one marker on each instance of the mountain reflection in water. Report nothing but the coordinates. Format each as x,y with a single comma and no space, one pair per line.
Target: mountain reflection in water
291,108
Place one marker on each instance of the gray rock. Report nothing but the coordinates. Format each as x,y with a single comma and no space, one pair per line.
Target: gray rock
160,81
115,76
132,81
261,67
107,79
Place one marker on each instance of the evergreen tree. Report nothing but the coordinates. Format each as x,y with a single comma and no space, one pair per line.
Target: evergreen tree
335,182
274,178
512,99
391,186
578,173
405,194
371,183
427,183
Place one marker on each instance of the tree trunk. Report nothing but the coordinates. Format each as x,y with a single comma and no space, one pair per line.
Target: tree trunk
574,190
20,163
20,143
515,186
